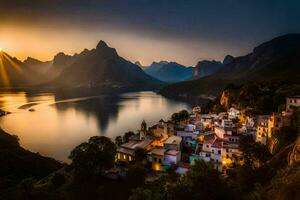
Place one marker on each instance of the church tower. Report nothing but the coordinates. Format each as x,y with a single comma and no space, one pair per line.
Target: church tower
143,130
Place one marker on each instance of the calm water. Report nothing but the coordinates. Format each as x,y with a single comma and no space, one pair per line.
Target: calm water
56,125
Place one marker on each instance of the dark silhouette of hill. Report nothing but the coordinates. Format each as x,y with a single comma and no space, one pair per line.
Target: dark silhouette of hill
273,61
169,71
206,68
17,163
101,68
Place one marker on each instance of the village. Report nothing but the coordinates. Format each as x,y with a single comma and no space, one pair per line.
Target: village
190,136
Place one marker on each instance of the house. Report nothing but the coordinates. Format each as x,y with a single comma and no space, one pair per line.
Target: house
275,122
226,127
126,152
156,157
172,157
173,143
291,103
196,110
221,151
233,113
262,129
188,137
162,129
230,152
164,157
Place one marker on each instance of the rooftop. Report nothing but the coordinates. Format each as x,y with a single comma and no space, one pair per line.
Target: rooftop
172,152
173,140
137,144
158,151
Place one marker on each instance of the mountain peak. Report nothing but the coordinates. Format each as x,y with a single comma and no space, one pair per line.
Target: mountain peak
102,44
228,59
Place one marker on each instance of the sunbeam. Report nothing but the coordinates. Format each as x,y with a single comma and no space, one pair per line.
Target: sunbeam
3,74
13,63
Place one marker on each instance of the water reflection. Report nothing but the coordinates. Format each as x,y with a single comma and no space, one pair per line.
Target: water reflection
57,125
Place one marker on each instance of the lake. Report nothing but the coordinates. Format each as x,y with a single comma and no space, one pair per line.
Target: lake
53,126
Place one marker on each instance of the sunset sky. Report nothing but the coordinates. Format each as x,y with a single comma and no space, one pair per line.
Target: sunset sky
144,30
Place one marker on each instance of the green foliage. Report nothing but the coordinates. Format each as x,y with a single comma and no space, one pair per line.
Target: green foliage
146,194
127,135
58,179
93,156
200,182
254,154
182,115
140,155
172,176
285,136
175,117
136,175
261,97
119,140
295,120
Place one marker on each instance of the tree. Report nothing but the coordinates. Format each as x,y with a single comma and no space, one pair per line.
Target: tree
172,176
140,154
200,182
93,156
254,154
118,140
175,117
184,115
58,179
146,194
136,175
127,135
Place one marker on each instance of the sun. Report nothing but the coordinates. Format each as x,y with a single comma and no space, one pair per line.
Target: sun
0,49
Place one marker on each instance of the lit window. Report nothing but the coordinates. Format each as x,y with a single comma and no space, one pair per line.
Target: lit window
119,156
124,157
130,158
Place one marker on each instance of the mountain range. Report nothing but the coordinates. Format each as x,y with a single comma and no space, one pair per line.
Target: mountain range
97,68
273,61
169,71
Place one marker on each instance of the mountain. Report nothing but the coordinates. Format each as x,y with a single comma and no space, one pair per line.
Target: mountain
273,61
173,72
140,65
228,59
14,73
101,68
169,71
155,66
38,66
206,68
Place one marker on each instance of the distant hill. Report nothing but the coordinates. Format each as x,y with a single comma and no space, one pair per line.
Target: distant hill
101,68
169,71
273,61
155,66
140,65
206,68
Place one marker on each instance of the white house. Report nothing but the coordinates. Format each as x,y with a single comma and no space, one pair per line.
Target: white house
233,113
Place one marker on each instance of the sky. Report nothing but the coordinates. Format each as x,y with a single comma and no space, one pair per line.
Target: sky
144,30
